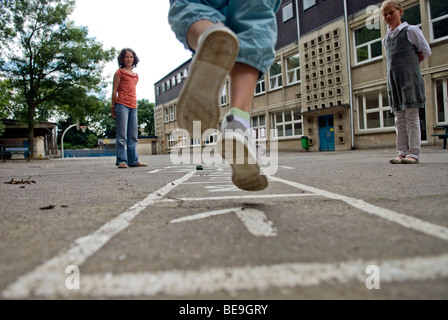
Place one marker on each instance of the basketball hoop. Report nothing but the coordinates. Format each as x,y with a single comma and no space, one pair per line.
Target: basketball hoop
83,128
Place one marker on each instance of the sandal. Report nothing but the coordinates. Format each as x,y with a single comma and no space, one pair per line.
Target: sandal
397,160
140,164
409,160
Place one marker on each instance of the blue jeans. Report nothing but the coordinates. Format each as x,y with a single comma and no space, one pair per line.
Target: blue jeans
127,135
253,22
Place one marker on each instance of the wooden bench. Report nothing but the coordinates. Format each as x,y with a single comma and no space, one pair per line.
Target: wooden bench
8,151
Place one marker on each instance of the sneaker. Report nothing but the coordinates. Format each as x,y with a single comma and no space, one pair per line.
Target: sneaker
409,160
140,164
397,160
246,172
122,165
199,97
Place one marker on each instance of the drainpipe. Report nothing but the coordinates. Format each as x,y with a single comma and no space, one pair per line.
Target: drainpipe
298,44
349,75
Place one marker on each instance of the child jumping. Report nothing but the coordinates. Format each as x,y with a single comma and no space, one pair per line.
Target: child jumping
227,37
405,48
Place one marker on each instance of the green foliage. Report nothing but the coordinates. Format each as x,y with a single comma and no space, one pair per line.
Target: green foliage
51,66
146,117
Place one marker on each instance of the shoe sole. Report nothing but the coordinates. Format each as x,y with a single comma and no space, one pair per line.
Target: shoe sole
246,173
404,161
395,161
199,97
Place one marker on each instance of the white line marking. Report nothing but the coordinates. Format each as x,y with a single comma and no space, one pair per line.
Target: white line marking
258,196
404,220
255,220
259,278
155,171
83,248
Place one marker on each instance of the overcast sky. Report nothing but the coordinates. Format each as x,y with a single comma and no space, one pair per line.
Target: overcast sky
139,24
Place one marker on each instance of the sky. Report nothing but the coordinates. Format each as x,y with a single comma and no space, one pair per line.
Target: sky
138,24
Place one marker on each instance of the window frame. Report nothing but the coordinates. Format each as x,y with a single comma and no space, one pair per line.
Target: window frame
223,96
167,115
382,94
277,77
309,4
369,50
431,24
290,14
259,128
284,123
444,99
297,76
261,86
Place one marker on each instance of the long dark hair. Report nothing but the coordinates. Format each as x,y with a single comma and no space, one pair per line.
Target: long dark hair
123,54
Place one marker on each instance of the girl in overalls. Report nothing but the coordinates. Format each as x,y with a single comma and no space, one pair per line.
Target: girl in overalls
405,48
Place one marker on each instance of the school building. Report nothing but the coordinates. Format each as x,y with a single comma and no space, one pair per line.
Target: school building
327,89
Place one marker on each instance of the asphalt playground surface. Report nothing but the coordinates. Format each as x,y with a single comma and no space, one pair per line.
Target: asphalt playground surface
330,226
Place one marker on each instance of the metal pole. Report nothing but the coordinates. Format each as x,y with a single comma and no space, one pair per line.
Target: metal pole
350,89
62,139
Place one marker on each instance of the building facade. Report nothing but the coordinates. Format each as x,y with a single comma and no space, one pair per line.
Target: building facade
328,82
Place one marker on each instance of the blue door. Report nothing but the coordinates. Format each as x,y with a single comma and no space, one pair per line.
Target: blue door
326,133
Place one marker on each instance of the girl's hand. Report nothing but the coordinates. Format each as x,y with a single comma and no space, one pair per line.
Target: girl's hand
113,112
420,56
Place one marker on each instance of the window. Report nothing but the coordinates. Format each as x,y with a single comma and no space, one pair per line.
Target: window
185,73
367,45
172,113
438,11
163,87
179,77
212,139
223,96
287,12
167,116
288,123
261,87
259,131
275,76
293,69
176,139
173,81
168,84
308,4
374,111
442,100
157,91
412,16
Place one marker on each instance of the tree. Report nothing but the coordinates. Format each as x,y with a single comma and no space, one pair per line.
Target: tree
53,67
146,117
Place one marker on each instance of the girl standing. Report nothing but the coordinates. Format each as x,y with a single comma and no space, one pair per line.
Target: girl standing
124,110
405,48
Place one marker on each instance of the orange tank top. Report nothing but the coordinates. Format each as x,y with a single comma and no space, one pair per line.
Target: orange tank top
127,94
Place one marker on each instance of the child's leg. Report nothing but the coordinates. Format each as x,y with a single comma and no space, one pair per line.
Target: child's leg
243,80
413,122
402,133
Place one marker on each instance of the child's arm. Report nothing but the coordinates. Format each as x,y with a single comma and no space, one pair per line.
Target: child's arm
416,37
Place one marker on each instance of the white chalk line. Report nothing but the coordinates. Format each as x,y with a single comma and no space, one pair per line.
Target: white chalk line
260,278
401,219
48,279
84,247
255,220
